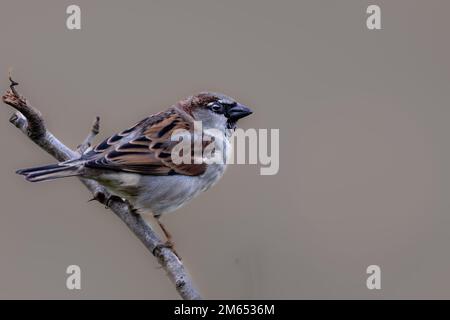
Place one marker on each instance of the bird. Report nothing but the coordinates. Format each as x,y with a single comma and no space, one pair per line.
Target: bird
137,165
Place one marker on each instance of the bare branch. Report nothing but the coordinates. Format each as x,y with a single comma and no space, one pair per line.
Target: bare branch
35,126
95,129
29,120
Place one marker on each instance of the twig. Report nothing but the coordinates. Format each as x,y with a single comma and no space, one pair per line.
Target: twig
95,129
29,120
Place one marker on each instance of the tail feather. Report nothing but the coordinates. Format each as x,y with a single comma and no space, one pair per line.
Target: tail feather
49,172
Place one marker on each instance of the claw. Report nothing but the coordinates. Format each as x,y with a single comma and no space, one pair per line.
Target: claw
98,196
112,198
132,209
101,197
168,244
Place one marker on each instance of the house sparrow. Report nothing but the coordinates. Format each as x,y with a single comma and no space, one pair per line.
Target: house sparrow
136,164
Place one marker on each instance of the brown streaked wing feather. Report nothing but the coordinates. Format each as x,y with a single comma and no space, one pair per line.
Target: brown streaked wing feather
145,148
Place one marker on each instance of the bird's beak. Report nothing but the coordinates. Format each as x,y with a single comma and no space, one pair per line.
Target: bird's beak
238,111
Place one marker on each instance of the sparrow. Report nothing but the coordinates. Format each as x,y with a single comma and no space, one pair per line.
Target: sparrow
136,164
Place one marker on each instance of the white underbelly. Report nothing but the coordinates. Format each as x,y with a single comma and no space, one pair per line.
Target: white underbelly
160,194
164,194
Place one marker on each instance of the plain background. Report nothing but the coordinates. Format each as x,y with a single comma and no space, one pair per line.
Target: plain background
364,126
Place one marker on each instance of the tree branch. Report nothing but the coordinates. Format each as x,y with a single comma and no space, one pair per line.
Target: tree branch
30,121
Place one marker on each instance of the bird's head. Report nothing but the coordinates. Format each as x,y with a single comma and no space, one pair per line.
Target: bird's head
216,110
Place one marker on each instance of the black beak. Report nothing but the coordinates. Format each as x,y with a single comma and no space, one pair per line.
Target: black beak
238,111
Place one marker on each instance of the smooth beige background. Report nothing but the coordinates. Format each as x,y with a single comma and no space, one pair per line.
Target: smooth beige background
364,125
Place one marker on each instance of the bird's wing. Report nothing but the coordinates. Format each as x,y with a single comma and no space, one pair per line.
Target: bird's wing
145,148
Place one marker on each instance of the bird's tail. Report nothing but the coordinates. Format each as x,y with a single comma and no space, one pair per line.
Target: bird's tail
52,171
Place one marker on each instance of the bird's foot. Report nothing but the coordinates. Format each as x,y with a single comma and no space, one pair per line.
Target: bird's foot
104,199
112,198
169,245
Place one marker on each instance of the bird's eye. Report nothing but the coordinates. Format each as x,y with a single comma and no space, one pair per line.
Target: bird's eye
216,107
